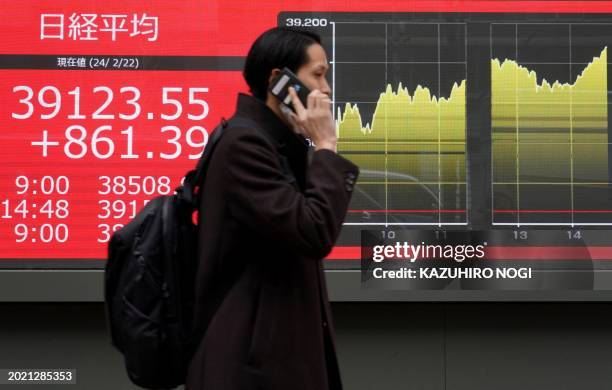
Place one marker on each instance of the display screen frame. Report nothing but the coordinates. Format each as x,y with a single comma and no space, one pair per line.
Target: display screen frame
341,272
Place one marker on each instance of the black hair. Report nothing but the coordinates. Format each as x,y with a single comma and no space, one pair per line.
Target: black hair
277,47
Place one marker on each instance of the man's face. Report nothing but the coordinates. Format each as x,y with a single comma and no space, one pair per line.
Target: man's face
312,73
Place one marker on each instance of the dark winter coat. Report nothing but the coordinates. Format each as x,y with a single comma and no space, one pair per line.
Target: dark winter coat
260,287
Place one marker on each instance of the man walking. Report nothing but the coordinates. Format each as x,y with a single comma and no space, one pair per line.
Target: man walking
262,312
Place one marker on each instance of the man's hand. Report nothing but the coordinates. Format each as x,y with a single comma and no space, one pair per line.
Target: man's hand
316,121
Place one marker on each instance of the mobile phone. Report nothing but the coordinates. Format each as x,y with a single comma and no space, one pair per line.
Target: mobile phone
279,87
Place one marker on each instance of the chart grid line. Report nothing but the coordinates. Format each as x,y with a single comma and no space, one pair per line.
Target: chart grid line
390,143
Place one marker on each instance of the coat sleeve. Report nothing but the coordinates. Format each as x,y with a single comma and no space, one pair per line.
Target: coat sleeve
259,196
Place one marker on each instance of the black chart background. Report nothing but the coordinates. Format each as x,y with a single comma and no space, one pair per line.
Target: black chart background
478,111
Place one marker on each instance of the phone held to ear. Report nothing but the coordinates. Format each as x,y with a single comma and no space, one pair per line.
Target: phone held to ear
279,87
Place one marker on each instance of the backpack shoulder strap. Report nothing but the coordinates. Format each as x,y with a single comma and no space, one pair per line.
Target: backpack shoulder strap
188,191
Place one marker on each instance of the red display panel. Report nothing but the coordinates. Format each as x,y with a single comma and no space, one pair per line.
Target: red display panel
84,150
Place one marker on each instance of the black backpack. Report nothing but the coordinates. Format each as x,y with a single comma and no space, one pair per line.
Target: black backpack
149,281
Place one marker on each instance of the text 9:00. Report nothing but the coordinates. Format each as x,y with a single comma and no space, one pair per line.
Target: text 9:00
47,184
46,233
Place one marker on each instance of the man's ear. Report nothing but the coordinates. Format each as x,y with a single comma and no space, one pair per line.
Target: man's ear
273,75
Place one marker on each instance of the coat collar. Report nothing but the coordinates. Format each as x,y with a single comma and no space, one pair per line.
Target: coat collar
257,110
292,146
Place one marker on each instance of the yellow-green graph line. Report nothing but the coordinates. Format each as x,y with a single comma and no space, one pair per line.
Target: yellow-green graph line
418,124
553,123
